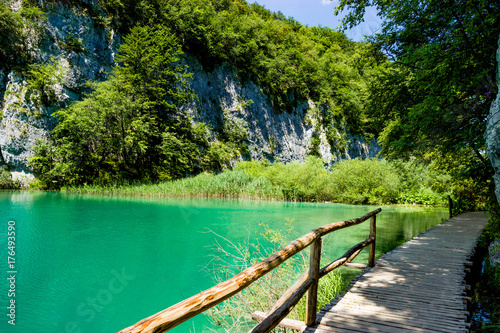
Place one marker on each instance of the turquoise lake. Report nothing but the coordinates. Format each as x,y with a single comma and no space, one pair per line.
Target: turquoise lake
100,264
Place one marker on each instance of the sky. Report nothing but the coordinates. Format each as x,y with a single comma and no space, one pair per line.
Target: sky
320,12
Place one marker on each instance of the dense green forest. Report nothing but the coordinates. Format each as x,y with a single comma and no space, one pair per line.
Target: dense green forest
423,86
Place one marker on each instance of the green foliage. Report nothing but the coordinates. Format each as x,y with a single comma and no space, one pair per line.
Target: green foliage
11,32
230,184
291,62
365,181
6,181
233,315
490,305
218,157
130,126
492,230
73,44
234,131
307,181
20,34
314,143
42,80
487,290
150,68
232,135
438,93
355,182
422,182
468,181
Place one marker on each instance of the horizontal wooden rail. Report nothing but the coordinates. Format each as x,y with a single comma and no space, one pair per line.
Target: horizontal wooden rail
347,257
184,310
287,323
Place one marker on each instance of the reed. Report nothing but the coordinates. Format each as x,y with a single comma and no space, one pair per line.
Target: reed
352,182
230,184
234,314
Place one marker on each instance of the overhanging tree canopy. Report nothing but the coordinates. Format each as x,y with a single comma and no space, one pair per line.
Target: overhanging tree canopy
439,93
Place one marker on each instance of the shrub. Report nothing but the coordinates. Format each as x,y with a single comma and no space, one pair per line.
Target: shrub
355,181
218,157
364,182
42,80
6,181
306,181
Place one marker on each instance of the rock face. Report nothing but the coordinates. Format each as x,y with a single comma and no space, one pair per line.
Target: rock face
494,253
492,134
276,136
79,50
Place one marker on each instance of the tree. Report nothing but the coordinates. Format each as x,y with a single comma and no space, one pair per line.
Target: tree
11,40
20,34
129,127
438,94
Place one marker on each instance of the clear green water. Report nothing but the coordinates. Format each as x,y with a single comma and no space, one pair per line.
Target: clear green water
99,264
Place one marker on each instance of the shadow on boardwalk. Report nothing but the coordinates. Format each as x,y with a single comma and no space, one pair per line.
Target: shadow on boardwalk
418,287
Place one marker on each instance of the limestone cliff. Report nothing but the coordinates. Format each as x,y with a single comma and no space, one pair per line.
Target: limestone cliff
77,49
492,134
280,136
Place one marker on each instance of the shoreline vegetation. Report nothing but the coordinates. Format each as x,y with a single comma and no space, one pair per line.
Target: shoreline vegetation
351,182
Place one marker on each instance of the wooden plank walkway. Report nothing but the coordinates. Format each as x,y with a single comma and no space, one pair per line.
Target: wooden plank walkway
418,287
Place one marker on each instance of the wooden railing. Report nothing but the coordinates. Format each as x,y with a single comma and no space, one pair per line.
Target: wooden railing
308,282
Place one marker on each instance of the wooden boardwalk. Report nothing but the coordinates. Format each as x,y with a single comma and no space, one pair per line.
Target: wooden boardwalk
418,287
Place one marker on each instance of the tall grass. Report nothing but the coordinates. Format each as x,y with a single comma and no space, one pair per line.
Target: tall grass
234,314
230,184
353,181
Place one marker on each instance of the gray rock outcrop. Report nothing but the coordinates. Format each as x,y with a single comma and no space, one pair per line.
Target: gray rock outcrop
80,50
494,253
276,136
492,134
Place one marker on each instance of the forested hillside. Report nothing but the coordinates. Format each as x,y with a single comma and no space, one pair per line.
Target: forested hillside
135,119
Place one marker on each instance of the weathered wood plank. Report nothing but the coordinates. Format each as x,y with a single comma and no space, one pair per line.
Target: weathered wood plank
384,324
391,303
376,312
355,265
373,231
312,293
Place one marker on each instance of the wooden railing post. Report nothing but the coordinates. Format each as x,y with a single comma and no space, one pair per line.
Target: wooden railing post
373,232
312,293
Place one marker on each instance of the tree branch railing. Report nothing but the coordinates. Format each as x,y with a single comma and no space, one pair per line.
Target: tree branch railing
308,282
